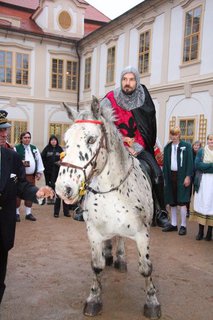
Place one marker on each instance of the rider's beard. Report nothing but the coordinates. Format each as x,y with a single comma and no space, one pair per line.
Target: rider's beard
128,90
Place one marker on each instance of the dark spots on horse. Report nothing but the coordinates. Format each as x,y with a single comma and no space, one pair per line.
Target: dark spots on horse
147,235
95,204
97,270
127,210
145,225
138,208
140,264
108,172
147,256
147,247
81,157
64,171
139,254
86,156
78,146
128,226
127,194
118,220
95,210
139,200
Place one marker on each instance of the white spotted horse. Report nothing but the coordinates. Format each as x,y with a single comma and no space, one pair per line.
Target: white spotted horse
117,197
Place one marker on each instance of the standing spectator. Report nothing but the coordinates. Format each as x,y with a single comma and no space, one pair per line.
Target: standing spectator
51,156
203,185
34,168
195,147
177,169
12,183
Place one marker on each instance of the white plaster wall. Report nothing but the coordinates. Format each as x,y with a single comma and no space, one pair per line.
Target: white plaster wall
102,70
42,19
94,73
157,50
119,59
133,48
180,106
82,72
175,46
207,40
56,114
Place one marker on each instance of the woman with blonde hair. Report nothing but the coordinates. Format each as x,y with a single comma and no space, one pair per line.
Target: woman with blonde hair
203,185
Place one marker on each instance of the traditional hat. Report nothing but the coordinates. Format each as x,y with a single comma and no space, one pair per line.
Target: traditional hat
3,120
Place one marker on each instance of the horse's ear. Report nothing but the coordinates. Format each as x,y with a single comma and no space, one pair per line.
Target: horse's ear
95,108
70,112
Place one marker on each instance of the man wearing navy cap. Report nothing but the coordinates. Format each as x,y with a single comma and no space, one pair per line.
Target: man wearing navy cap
12,183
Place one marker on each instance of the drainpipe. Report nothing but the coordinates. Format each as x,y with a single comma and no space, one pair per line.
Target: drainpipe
78,84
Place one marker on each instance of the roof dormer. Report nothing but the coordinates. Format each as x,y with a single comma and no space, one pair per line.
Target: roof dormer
64,18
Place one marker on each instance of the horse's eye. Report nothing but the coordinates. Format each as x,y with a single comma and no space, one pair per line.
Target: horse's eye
91,140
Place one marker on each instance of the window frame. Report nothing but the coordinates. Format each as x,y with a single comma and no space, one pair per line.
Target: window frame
62,128
87,73
110,67
144,52
68,77
14,68
188,36
184,136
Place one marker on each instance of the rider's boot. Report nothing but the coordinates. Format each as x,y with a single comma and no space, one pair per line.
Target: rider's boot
160,217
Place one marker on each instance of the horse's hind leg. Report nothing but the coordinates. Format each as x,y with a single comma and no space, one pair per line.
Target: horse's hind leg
152,308
120,262
93,305
107,251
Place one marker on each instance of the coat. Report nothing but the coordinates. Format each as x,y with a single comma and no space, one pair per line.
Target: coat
185,168
12,184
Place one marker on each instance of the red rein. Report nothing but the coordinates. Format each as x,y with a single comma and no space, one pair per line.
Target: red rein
89,121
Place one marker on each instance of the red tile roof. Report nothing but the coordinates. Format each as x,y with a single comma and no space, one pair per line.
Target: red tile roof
94,19
30,4
26,22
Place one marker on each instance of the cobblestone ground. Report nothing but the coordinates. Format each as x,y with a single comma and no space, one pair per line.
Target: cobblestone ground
49,274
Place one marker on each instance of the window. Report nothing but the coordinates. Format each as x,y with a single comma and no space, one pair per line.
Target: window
110,65
87,74
192,35
15,131
22,66
64,74
187,129
58,129
144,52
57,73
71,76
14,68
5,67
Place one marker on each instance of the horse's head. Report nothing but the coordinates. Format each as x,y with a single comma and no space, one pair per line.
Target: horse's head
85,153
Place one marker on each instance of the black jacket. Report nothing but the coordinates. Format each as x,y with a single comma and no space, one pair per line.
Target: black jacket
12,184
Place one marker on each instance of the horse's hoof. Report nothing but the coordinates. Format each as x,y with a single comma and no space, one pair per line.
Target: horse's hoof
120,265
152,311
109,260
92,309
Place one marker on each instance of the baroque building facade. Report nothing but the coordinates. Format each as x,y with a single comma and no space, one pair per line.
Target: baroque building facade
55,51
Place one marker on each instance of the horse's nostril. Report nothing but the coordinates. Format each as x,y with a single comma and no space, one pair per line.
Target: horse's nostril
68,191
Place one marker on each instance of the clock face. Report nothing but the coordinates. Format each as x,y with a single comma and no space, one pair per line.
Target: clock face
64,20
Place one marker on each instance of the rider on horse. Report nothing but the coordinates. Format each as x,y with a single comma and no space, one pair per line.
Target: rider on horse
136,121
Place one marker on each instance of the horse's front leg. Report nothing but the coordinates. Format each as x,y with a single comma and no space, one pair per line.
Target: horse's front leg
93,304
152,308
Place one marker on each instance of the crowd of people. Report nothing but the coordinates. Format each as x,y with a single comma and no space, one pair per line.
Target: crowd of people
177,172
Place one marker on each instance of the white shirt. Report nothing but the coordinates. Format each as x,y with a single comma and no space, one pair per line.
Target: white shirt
174,166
